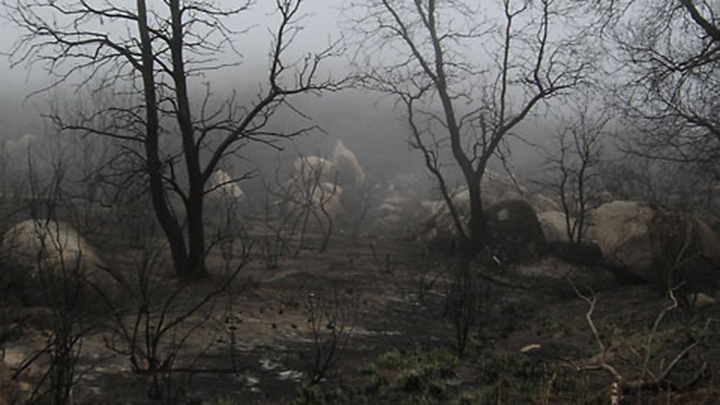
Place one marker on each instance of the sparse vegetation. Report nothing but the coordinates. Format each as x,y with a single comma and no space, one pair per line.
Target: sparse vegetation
146,258
332,318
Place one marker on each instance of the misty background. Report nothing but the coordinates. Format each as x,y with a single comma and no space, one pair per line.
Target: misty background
368,123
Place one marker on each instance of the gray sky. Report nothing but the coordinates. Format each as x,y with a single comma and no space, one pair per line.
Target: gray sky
16,83
374,131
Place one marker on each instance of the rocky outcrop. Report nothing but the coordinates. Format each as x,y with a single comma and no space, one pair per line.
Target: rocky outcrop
656,244
554,226
516,231
222,187
310,169
542,203
320,204
46,255
349,171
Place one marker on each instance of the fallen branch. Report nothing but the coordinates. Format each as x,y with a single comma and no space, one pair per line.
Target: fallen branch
646,379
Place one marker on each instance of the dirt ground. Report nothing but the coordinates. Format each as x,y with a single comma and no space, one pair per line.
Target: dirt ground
253,342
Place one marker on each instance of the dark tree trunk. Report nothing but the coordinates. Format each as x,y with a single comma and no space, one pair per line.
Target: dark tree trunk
477,228
154,168
175,41
196,238
195,264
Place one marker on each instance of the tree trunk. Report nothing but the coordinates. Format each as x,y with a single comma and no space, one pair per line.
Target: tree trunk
196,238
477,228
195,267
167,221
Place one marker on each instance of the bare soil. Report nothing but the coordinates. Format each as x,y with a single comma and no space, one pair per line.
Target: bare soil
397,292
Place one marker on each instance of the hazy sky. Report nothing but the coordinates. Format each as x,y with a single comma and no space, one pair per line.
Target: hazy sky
319,24
375,132
17,82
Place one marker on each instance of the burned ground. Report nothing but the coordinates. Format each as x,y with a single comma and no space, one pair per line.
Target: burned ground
253,342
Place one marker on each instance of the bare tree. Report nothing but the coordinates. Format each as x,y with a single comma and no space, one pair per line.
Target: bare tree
467,75
152,58
668,82
575,166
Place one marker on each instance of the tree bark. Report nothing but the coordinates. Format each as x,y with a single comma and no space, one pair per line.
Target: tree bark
478,231
195,265
167,221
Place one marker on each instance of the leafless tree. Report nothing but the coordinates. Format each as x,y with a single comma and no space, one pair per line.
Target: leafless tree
467,74
667,84
60,279
307,201
153,329
575,166
152,58
332,319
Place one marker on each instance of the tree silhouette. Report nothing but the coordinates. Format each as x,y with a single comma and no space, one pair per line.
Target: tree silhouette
151,56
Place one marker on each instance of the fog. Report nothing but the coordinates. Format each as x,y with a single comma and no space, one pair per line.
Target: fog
368,123
391,221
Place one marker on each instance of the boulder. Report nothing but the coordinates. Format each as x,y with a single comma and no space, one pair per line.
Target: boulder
656,244
19,147
497,187
397,215
542,203
554,226
48,254
516,231
701,300
321,204
349,171
223,200
308,169
222,187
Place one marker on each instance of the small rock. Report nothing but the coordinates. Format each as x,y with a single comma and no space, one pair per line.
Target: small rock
702,300
530,348
453,382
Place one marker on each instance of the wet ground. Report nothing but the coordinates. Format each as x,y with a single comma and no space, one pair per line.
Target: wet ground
254,342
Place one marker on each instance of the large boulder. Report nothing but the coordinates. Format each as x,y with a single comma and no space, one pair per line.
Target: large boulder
542,203
224,199
656,244
554,226
398,211
320,204
516,231
494,187
49,258
311,169
498,187
19,147
349,172
223,187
